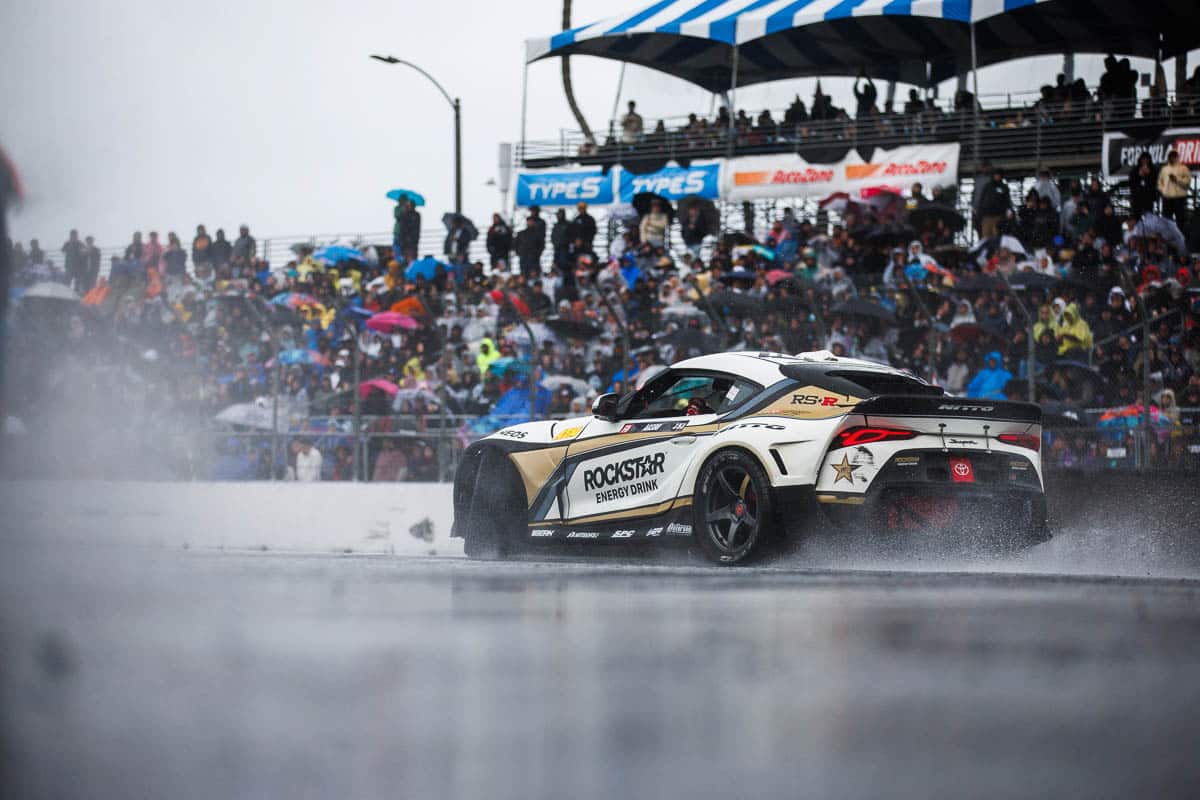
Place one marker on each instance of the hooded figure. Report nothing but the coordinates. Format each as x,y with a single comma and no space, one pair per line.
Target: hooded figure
487,354
989,382
1072,331
965,315
919,262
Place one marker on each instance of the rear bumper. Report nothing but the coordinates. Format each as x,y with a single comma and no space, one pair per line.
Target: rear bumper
917,489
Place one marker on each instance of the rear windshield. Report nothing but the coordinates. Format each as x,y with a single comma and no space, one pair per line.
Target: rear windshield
877,383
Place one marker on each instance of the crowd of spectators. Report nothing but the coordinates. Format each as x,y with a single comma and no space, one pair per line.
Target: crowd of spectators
1113,100
178,336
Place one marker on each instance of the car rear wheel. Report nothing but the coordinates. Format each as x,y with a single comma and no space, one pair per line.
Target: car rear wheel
498,518
732,507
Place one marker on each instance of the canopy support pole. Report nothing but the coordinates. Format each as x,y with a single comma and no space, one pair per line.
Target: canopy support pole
975,88
612,119
524,106
732,104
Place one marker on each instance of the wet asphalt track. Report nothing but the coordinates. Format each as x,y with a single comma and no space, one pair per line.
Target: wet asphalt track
151,673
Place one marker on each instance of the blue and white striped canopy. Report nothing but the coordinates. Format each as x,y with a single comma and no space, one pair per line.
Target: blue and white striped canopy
915,41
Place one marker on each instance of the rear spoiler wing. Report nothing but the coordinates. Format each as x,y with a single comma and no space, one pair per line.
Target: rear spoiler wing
943,407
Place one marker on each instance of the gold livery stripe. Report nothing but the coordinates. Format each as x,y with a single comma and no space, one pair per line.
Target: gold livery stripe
845,501
587,445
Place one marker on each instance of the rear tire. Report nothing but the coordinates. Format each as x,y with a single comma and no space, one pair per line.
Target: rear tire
732,507
497,522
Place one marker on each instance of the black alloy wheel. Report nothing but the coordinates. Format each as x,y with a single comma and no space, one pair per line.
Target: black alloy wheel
732,507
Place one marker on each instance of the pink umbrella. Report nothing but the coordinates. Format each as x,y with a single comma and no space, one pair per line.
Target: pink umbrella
391,321
777,275
385,386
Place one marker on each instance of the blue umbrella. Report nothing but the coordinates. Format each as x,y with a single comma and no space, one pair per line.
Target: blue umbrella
425,268
335,253
406,194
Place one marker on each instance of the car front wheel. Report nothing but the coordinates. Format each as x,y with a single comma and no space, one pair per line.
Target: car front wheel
732,507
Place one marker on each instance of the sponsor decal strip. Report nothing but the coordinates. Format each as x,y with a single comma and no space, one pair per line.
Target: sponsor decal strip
641,511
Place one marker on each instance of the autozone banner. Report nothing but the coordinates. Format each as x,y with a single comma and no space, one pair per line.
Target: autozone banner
673,182
1121,152
564,188
789,175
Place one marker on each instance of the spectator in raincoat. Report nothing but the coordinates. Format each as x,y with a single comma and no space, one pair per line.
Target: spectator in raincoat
989,382
920,263
486,355
1072,333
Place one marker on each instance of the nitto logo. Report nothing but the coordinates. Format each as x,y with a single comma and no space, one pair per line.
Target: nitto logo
624,471
974,409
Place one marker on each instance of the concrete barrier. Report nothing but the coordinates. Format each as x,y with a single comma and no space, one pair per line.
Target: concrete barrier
399,518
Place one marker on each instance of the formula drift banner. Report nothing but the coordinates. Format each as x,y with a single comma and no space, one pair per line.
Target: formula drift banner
673,182
564,188
789,175
1121,152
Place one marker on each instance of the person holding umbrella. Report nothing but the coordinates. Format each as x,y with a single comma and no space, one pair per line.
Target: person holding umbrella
654,224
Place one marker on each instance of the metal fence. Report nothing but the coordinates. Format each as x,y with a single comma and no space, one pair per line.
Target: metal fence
1012,134
412,448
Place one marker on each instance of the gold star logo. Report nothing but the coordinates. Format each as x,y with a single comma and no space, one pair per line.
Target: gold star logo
845,470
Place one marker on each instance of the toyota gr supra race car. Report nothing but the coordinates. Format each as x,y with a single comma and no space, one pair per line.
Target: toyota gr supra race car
730,449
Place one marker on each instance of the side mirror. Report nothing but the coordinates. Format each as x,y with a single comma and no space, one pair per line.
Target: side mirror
605,407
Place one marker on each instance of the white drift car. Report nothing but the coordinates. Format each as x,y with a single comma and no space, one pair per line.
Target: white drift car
728,449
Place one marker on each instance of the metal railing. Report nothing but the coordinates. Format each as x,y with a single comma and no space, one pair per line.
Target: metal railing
1013,136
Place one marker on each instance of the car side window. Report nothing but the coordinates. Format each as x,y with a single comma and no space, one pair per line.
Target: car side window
681,395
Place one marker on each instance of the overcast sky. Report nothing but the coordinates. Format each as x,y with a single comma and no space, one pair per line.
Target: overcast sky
145,115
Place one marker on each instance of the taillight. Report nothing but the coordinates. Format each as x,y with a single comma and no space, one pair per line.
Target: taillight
854,437
1028,441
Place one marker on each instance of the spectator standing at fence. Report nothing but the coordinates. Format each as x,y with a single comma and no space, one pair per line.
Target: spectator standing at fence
407,230
245,249
91,254
529,246
133,251
653,225
1143,185
200,244
499,241
866,97
307,459
391,464
174,258
994,205
1174,185
560,238
221,250
1045,187
74,260
583,228
152,253
693,228
631,125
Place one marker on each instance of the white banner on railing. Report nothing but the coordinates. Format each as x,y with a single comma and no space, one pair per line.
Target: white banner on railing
789,175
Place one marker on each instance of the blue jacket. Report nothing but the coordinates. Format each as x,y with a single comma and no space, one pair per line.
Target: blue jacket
989,383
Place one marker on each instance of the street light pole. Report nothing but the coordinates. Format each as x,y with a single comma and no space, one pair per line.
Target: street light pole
456,105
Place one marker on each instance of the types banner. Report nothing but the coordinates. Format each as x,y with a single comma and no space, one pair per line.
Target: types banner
749,178
564,188
789,175
673,183
1121,152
